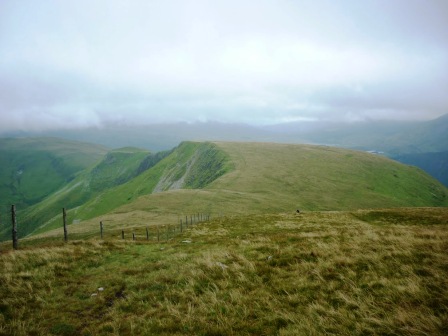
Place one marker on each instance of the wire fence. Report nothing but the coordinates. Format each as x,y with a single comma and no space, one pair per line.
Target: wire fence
10,221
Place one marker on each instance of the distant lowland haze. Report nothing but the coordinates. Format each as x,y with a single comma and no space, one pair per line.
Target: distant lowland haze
78,64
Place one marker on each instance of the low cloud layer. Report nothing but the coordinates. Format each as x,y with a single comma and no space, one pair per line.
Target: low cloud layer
69,64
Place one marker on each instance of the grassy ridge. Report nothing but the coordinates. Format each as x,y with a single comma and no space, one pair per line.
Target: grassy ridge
239,178
259,178
343,273
175,169
327,178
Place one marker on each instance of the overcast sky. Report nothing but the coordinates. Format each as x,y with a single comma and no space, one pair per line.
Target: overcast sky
88,62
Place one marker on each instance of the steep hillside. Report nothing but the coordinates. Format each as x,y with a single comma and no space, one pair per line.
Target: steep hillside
434,163
122,176
32,168
117,167
242,178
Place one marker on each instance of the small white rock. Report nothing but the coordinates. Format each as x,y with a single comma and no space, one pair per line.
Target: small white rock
222,265
94,294
100,289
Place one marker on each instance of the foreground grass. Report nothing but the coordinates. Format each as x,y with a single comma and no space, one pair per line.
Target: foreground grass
364,273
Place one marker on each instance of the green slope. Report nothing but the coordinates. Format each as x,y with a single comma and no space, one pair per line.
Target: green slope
243,178
188,166
270,178
434,163
32,168
117,167
327,178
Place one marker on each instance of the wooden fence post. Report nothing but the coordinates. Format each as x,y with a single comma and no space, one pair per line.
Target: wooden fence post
147,234
15,243
133,236
167,232
122,234
158,234
181,229
101,229
64,220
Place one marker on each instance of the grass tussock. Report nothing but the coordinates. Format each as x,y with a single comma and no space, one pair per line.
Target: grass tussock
341,273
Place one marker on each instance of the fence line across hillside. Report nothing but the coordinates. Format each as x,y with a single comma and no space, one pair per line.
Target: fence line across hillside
158,233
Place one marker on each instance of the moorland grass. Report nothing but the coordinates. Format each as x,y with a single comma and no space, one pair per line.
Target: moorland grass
369,272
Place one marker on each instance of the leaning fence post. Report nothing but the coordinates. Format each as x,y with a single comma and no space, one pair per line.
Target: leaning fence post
101,230
15,243
64,220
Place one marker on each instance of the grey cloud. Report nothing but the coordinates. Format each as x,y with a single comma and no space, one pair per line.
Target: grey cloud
90,62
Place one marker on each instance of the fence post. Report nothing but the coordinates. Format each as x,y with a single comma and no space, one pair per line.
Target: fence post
167,232
122,234
64,221
101,229
186,221
158,234
15,243
181,229
147,234
133,236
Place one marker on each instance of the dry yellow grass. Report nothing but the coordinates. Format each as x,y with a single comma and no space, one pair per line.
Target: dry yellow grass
380,272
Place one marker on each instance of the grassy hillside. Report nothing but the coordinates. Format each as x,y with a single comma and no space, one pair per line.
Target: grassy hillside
435,164
33,168
367,272
117,167
122,177
253,178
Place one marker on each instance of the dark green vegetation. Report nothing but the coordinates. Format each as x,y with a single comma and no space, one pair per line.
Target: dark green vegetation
367,272
117,166
33,168
123,175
